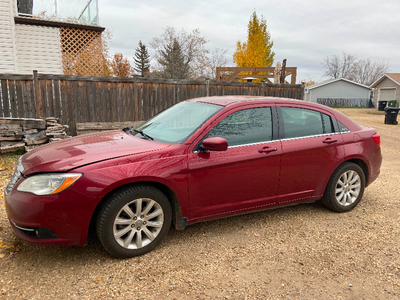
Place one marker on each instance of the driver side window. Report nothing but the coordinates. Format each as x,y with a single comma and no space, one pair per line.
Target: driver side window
243,127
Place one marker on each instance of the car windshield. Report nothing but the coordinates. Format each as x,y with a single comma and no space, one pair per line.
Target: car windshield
175,124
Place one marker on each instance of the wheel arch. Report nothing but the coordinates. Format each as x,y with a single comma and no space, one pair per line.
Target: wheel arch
358,161
329,198
363,166
178,221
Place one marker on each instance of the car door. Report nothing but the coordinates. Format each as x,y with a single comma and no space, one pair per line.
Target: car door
311,151
243,177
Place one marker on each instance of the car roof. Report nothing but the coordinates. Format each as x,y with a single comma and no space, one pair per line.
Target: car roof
230,100
240,100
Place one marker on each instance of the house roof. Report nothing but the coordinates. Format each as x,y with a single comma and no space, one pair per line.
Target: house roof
395,77
335,80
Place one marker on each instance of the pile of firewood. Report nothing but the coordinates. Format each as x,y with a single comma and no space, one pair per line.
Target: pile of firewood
28,134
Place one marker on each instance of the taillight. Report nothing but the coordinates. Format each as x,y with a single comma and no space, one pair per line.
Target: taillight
377,139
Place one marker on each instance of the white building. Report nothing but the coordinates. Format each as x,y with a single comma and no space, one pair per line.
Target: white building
387,88
337,89
51,37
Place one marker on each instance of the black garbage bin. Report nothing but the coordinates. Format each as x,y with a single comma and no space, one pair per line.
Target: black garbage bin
382,105
391,115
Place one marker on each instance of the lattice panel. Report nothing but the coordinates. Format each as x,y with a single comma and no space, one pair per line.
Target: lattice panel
82,52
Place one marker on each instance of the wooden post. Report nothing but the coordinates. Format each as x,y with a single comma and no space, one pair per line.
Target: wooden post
283,74
263,91
135,99
293,81
38,98
301,94
208,87
73,108
218,74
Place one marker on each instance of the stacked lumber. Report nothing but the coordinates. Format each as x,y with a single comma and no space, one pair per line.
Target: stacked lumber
28,134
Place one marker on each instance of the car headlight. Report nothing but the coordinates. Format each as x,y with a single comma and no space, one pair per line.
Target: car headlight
16,176
48,184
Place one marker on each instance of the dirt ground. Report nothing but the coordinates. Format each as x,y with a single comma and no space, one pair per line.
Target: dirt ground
298,252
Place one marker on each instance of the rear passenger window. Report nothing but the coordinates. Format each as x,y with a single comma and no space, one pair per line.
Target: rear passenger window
299,122
328,125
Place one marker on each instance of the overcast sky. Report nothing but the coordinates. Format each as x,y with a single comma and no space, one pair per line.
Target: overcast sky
303,32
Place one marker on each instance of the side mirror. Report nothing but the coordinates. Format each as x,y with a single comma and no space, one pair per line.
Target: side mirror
215,144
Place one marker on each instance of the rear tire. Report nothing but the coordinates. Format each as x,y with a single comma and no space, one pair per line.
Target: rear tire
134,221
345,188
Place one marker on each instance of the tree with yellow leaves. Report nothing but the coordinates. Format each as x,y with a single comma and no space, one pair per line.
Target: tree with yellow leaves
257,52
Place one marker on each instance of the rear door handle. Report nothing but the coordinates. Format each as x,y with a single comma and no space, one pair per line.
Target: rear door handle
329,141
267,150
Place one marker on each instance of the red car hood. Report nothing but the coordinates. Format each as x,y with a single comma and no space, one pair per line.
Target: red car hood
86,149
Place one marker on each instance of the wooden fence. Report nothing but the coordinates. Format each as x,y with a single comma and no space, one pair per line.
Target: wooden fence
81,99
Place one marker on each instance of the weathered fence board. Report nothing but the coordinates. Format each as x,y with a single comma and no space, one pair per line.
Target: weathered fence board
13,97
81,99
20,98
57,98
4,99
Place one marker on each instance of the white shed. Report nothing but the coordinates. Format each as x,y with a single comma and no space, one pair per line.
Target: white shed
337,89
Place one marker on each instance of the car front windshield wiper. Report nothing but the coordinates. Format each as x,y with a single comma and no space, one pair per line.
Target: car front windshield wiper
146,136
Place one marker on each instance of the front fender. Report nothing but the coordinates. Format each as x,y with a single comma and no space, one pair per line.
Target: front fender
100,179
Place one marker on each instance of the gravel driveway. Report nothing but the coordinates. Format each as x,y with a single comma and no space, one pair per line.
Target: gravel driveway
298,252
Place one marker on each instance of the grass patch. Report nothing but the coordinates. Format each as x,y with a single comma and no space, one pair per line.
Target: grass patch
376,112
355,107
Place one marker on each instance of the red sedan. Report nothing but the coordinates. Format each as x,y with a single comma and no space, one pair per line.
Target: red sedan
201,159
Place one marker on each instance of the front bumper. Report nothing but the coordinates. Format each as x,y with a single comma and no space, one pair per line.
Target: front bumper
61,219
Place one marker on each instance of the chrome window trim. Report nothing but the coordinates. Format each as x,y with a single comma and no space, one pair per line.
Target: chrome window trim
282,140
308,136
251,144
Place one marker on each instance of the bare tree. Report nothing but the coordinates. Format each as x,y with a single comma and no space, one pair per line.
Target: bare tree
217,59
368,72
336,67
191,44
198,59
348,66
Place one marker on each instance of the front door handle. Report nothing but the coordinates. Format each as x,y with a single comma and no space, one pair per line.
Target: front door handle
267,150
329,141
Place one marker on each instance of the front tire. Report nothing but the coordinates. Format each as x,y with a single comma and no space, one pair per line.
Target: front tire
345,188
134,221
